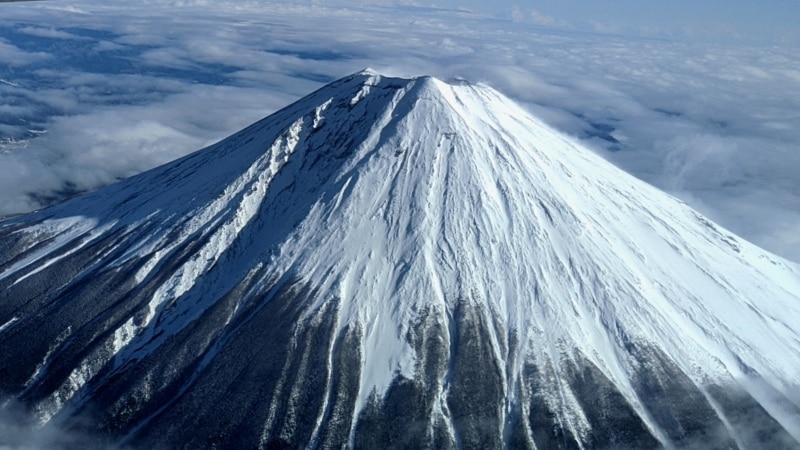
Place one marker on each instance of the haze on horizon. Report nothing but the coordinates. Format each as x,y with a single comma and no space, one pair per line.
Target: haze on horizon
773,21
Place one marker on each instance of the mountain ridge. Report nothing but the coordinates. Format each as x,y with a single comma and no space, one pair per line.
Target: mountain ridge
430,234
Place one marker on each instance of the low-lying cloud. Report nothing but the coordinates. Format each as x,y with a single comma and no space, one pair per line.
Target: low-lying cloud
19,430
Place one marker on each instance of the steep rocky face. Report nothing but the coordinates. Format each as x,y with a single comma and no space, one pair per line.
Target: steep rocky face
397,263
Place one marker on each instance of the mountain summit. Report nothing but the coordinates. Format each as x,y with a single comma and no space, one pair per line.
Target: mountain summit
397,263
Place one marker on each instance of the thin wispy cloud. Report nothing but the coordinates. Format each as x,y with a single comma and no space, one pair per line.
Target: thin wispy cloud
13,56
111,89
48,33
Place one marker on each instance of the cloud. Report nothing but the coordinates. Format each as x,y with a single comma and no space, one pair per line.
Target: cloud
13,56
48,33
88,150
537,18
20,431
717,125
544,20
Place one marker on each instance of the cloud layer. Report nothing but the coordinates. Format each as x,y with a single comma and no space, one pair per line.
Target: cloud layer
94,91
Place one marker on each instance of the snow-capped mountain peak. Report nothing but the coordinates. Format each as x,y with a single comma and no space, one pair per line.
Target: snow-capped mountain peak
392,247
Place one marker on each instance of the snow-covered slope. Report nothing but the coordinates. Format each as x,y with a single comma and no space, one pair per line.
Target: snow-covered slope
405,263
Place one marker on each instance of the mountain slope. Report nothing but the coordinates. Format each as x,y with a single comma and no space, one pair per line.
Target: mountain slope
404,263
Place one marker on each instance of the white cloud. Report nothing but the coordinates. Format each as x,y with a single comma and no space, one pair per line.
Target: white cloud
48,33
546,21
19,431
13,56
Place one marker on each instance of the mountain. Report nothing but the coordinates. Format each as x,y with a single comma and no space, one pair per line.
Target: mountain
397,263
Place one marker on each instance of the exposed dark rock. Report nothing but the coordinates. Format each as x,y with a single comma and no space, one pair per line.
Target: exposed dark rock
678,406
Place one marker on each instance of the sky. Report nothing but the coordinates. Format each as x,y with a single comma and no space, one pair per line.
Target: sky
742,20
700,100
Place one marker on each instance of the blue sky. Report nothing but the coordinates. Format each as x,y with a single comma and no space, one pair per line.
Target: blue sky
92,91
773,21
